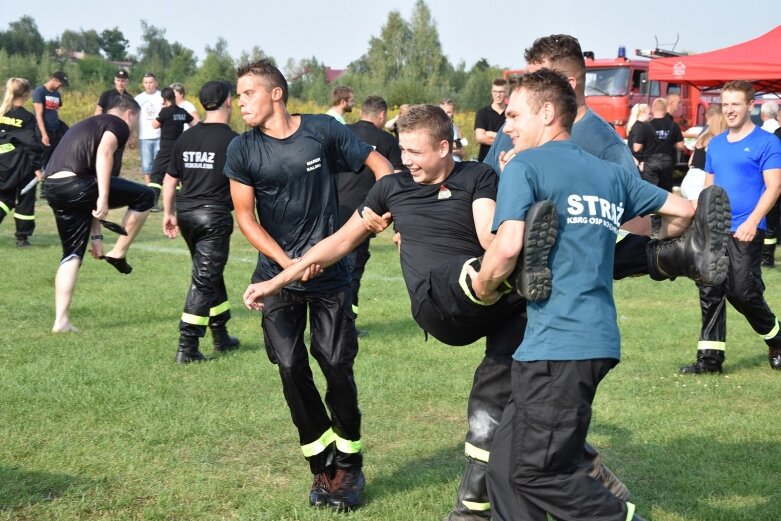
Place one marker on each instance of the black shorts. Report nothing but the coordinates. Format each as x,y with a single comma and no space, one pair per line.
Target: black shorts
443,309
73,198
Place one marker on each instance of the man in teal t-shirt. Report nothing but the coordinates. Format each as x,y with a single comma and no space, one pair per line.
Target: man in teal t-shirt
572,339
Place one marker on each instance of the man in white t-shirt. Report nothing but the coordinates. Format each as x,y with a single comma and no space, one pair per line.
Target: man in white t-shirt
149,137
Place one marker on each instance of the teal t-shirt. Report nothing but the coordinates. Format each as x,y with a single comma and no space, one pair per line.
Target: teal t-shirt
593,198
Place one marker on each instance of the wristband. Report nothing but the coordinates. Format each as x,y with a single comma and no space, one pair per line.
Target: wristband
98,237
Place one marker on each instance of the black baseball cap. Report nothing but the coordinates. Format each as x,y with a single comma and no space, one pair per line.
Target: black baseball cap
121,74
214,93
62,77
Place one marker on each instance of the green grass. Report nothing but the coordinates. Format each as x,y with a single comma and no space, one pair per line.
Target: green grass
103,425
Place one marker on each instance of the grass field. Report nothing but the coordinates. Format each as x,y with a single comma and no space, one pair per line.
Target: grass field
102,425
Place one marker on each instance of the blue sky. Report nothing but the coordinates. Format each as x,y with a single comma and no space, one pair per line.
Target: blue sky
338,32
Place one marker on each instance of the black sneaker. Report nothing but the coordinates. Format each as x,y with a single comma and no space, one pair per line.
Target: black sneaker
320,494
532,276
346,488
774,358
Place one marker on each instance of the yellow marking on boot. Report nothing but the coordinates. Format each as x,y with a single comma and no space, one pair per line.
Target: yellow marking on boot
4,208
630,511
24,217
195,319
476,507
465,287
319,445
709,344
769,241
219,309
155,185
347,446
355,309
773,332
476,452
621,235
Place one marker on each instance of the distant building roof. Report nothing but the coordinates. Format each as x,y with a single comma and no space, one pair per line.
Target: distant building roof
333,74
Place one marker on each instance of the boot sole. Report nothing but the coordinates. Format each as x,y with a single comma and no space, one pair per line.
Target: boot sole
714,263
534,278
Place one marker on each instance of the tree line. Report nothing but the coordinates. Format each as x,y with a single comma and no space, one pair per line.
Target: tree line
405,63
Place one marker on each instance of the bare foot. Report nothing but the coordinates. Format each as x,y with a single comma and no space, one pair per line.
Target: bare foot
66,328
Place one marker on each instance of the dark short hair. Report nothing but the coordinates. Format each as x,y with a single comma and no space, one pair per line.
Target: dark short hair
550,86
561,51
374,105
499,82
341,93
740,86
124,102
267,72
429,118
168,95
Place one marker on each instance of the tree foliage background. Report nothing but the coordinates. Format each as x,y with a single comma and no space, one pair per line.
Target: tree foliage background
404,63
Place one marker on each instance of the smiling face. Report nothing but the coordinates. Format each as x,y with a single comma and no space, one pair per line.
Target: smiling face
426,160
255,100
523,125
736,109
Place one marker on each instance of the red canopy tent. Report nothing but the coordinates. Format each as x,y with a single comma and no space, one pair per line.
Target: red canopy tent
757,60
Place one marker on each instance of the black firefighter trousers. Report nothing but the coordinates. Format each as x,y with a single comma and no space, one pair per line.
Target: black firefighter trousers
206,230
325,439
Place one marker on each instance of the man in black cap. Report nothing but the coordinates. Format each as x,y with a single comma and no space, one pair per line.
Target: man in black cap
106,99
47,101
121,80
203,216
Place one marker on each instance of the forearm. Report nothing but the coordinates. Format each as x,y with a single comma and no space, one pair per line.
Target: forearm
379,166
260,238
484,137
763,206
169,194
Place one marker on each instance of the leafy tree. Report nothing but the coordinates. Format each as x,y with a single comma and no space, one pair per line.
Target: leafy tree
22,37
114,44
306,80
18,66
218,65
254,55
183,64
84,41
95,69
155,52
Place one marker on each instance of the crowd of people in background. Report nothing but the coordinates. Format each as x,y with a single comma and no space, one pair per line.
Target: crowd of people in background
472,275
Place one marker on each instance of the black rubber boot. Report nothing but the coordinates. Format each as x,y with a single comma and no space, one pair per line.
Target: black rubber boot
774,358
188,351
532,276
700,253
223,342
472,500
708,361
769,255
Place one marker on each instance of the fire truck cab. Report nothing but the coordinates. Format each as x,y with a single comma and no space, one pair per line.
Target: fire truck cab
613,86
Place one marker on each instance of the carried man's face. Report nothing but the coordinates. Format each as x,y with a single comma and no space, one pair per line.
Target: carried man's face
419,154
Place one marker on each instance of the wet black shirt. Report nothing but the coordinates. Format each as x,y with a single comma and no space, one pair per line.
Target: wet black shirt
79,146
295,188
353,186
198,160
436,222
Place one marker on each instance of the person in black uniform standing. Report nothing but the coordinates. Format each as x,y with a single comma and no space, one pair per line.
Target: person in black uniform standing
170,121
18,127
353,186
106,99
286,168
203,215
80,190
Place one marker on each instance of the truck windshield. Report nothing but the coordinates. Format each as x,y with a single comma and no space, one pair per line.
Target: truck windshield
609,81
